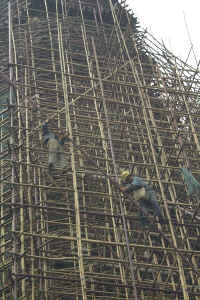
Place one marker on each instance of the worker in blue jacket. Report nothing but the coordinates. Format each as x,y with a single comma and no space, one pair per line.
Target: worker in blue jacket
143,193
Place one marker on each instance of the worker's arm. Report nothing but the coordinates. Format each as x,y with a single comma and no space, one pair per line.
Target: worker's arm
125,188
45,129
65,139
137,184
46,134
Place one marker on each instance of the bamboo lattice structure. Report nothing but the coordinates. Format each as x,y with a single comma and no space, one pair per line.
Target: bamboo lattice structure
126,101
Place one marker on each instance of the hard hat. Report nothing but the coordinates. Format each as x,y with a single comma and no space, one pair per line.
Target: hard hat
124,175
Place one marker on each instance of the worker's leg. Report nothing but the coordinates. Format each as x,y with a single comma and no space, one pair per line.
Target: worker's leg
152,204
53,147
143,215
61,157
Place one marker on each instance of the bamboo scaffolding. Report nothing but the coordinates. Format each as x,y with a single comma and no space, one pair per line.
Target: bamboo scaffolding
126,101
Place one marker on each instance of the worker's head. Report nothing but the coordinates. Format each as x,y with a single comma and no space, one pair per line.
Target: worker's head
125,176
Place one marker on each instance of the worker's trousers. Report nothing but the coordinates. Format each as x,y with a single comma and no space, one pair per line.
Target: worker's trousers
148,205
56,154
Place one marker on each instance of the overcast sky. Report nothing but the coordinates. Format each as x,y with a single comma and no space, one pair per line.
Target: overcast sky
166,20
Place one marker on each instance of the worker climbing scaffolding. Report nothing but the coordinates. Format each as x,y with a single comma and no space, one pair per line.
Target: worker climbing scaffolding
55,145
193,186
143,194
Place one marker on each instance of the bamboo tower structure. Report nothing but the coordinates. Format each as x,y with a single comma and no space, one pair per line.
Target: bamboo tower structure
126,102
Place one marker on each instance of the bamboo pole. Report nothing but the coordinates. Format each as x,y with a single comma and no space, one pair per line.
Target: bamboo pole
11,102
76,197
116,174
104,144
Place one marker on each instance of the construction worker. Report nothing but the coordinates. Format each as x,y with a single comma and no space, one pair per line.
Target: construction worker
193,186
55,145
143,193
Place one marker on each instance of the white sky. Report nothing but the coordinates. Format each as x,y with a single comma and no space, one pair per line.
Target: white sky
165,20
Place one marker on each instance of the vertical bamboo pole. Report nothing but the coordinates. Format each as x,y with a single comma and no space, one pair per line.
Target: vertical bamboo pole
28,77
104,142
21,189
2,222
11,102
70,72
163,158
52,57
73,163
116,173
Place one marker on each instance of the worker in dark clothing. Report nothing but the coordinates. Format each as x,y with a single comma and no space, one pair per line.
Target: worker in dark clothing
55,145
143,193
